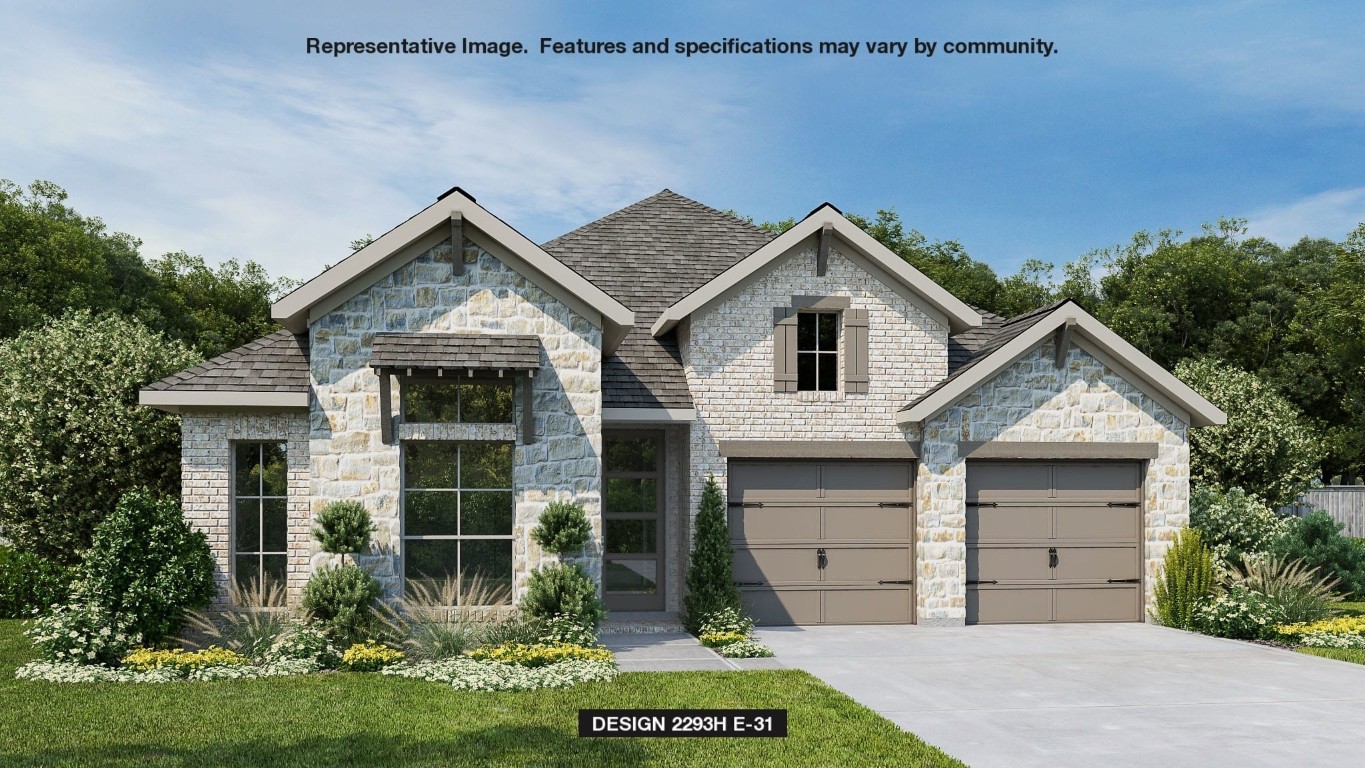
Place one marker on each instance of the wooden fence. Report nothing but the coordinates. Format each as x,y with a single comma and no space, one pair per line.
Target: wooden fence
1345,503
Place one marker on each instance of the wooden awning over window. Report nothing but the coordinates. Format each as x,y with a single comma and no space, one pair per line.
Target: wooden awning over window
455,353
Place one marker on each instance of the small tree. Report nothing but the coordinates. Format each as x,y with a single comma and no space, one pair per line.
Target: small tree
344,528
73,439
148,565
1186,579
1267,447
710,570
563,528
563,589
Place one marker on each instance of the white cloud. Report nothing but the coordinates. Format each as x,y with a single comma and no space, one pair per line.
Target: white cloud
249,159
1332,214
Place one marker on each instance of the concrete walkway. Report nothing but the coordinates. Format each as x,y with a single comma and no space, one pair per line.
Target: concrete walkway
673,652
1090,695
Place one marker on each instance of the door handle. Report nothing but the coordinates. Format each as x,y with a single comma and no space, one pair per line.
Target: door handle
821,559
1052,557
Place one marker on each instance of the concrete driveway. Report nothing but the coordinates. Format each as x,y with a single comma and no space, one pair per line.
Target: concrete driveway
1091,695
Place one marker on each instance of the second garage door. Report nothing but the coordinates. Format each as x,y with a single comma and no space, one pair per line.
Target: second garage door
1053,541
823,542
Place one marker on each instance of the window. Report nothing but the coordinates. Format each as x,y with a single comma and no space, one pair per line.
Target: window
260,532
456,402
632,520
817,351
457,514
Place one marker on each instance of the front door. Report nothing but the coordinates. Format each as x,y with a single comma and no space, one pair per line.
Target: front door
633,521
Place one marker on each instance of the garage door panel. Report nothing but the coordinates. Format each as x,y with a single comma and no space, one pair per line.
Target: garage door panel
781,607
1096,563
999,605
1098,604
776,565
774,481
866,564
867,606
1009,482
774,523
866,481
1008,564
866,523
1008,523
1097,522
1107,481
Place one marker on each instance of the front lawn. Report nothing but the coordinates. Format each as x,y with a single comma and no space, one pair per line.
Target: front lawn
1354,655
368,719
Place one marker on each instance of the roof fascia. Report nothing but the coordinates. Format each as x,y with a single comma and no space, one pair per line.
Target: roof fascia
218,399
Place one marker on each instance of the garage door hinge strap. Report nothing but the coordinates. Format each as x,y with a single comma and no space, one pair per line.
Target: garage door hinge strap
893,504
982,504
750,583
992,581
896,581
746,503
1123,503
1124,581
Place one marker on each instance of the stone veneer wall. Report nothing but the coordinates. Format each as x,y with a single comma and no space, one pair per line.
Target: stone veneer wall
349,461
728,355
1029,401
206,482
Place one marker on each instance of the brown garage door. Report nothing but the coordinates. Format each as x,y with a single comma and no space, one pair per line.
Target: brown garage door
823,542
1053,541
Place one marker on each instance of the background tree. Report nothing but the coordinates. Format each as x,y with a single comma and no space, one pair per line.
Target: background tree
72,437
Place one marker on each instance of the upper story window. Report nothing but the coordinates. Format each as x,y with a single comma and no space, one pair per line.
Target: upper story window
817,351
457,402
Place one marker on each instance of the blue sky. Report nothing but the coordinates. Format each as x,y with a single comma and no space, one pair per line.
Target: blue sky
210,130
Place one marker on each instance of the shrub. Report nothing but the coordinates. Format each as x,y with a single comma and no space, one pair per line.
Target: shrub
1267,446
30,582
1234,523
341,599
1239,613
1186,579
1317,540
520,628
369,657
466,674
540,654
1340,632
73,439
710,571
562,528
305,642
183,662
563,588
1295,592
745,649
82,632
562,628
439,619
252,624
727,620
719,639
146,563
344,528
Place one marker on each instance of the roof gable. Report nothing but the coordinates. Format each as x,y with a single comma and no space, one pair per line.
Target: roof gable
393,249
1021,334
270,372
960,317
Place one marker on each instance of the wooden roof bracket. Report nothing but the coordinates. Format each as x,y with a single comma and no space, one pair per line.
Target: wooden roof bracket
822,254
1063,343
457,242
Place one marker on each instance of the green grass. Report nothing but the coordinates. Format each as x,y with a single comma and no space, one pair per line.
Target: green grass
358,720
1353,655
1351,608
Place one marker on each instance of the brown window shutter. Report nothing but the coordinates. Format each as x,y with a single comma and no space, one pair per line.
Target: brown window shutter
784,349
855,351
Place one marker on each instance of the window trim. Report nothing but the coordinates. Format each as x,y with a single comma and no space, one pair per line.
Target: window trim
234,496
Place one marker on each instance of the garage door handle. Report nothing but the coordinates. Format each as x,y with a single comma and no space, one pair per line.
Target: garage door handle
1124,581
896,581
750,583
1052,557
991,581
821,559
893,504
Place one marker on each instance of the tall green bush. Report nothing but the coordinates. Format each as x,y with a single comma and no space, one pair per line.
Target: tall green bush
73,438
1186,579
1234,523
564,589
146,564
710,571
344,528
342,600
563,528
29,582
1318,541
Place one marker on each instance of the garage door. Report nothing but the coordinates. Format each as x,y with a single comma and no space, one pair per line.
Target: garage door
823,542
1058,541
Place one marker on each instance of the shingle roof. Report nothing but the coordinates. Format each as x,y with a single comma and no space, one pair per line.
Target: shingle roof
452,351
648,256
1004,332
274,363
962,346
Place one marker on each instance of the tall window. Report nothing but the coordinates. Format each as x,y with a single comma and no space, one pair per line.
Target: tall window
260,535
817,351
632,520
451,402
457,514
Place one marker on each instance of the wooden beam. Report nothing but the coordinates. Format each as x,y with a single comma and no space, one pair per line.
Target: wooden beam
457,242
528,417
822,255
385,407
1063,339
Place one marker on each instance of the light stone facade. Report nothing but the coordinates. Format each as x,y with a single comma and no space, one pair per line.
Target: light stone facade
728,357
1034,401
349,459
206,450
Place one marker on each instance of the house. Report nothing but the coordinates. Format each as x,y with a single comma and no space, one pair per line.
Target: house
889,453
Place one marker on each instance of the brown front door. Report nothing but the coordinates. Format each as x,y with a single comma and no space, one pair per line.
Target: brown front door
633,521
1053,541
823,542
